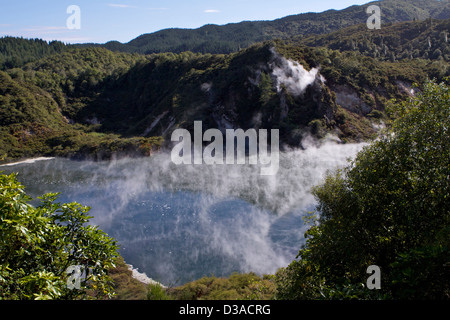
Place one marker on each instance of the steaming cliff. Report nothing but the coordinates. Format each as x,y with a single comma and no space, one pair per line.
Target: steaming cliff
96,102
296,91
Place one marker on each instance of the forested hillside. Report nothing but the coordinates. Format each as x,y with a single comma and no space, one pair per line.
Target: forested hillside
79,101
252,89
427,39
38,100
15,52
235,36
65,100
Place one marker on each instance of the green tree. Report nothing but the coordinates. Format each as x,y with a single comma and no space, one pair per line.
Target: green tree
389,208
40,244
266,88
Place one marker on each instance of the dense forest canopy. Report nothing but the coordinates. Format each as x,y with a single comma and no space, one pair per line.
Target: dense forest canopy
15,52
235,36
52,105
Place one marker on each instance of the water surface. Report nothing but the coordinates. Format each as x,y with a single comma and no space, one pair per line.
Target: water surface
179,223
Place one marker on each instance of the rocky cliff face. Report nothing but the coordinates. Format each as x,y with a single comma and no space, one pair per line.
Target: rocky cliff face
302,91
256,88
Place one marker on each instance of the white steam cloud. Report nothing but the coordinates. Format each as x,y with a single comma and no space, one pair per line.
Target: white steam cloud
178,223
293,75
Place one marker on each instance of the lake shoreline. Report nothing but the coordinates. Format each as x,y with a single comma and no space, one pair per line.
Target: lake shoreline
27,161
142,276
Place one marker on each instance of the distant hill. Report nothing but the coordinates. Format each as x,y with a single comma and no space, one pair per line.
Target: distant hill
95,102
235,36
428,39
15,52
68,100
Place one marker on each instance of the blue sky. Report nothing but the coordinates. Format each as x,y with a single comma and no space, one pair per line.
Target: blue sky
124,20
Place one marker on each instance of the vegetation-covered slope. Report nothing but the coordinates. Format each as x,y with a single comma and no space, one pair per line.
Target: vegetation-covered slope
259,87
427,39
81,101
388,208
76,101
15,52
235,36
38,100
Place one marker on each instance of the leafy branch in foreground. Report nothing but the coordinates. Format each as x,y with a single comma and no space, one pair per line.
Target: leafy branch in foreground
39,243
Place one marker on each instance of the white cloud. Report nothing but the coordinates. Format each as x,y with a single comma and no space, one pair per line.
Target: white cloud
211,11
118,5
156,8
47,33
45,29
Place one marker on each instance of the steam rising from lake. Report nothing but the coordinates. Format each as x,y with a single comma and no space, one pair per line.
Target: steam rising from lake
179,223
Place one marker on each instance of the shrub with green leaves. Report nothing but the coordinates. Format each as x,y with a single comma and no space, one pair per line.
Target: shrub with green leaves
39,243
389,208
